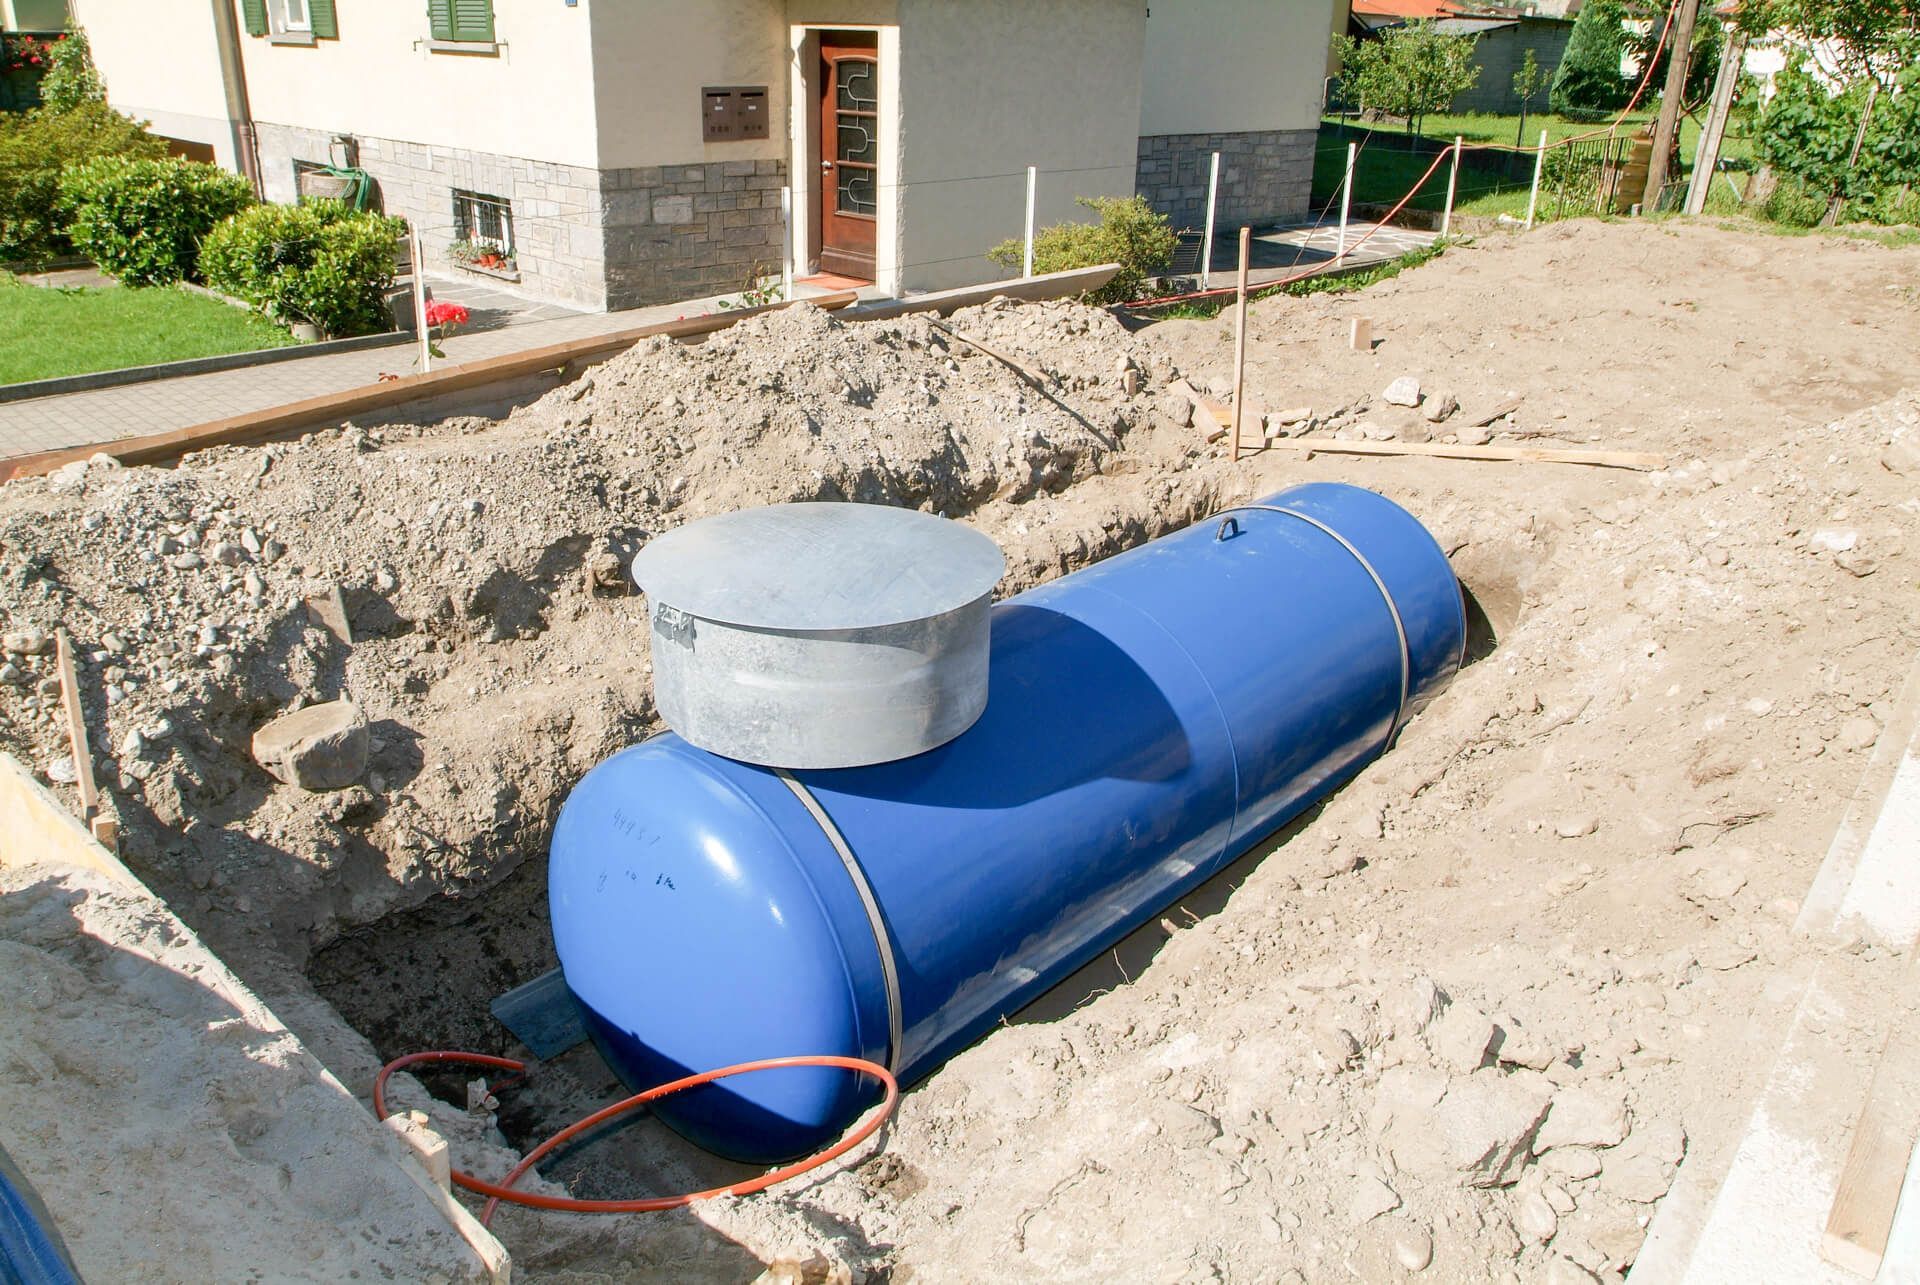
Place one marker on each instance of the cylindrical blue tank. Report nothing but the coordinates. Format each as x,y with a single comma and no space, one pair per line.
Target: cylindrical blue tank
1148,720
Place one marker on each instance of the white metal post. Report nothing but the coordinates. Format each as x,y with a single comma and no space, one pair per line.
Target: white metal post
786,244
1206,243
1453,185
1539,164
419,299
1033,183
1346,199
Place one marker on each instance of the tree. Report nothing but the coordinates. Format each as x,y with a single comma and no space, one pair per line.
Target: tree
1859,37
1589,78
71,77
1409,71
1527,84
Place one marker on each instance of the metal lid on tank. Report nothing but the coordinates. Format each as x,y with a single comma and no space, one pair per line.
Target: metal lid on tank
819,566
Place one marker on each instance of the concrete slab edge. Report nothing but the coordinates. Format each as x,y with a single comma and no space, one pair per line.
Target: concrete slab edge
37,830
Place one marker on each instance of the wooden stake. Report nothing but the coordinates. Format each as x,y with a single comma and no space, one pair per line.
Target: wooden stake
1708,158
1521,454
1361,337
1855,1236
1240,339
1667,128
77,738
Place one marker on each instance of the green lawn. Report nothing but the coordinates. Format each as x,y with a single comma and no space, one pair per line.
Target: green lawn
48,333
1386,169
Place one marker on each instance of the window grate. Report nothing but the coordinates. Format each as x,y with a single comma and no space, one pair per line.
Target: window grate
485,222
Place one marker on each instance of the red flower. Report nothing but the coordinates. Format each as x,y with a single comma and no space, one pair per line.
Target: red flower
442,313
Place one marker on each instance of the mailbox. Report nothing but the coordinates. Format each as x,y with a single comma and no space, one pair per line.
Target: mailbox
733,113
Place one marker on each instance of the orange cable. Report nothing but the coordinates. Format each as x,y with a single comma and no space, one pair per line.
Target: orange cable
503,1190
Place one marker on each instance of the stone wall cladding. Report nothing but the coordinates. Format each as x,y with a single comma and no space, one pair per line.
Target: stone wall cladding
557,222
589,238
1266,176
681,231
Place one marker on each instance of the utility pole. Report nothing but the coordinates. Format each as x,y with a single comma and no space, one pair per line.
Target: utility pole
1668,126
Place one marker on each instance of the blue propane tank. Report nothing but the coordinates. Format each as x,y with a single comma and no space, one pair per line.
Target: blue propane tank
1149,719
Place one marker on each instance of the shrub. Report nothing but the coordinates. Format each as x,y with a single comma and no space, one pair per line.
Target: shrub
143,220
1794,203
1589,78
1129,233
319,262
71,78
33,147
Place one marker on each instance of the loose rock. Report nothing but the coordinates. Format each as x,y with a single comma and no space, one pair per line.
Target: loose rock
1404,391
321,747
1584,1117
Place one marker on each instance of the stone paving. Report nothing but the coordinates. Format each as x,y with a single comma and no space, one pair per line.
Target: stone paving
501,324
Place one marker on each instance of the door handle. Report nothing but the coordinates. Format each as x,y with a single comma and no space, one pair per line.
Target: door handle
826,167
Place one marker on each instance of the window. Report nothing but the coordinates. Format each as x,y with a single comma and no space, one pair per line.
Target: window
303,20
461,21
483,231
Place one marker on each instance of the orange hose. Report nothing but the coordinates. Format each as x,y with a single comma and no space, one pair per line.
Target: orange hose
503,1190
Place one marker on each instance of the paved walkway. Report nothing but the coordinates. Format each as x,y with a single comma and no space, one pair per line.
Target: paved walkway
501,324
1281,252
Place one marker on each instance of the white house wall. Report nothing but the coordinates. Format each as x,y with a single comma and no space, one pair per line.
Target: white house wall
1241,77
990,87
161,65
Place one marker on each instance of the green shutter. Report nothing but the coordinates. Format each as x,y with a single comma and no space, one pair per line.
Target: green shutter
325,26
440,18
255,14
473,20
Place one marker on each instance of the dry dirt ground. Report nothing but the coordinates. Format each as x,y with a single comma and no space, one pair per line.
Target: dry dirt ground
1461,1023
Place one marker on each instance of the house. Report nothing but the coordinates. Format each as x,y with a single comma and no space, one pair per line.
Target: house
1503,37
608,153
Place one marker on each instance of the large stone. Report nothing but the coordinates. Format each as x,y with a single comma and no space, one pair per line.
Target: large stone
321,747
1404,391
28,640
1584,1117
1461,1036
1480,1133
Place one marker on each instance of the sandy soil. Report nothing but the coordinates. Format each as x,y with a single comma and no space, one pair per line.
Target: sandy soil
1462,1022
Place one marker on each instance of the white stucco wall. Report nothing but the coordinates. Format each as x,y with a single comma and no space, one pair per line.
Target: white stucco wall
989,87
1226,66
653,57
166,72
533,100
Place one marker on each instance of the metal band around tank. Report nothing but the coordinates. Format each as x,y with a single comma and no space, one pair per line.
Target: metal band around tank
888,971
1399,626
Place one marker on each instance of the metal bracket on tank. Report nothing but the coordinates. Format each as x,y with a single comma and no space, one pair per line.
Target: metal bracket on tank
888,971
672,623
1399,626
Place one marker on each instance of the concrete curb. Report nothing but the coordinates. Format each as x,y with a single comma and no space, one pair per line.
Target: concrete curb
194,366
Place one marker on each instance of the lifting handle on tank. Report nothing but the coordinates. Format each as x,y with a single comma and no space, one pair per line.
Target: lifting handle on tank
1229,527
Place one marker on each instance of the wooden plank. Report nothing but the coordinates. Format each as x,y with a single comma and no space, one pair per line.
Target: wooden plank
1048,285
76,725
330,408
1869,1190
1205,418
1027,376
1240,344
1521,454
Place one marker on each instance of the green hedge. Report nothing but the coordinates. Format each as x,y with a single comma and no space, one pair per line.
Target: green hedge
319,262
143,220
1129,233
34,147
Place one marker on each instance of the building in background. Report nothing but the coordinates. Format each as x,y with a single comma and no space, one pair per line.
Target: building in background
609,153
1503,36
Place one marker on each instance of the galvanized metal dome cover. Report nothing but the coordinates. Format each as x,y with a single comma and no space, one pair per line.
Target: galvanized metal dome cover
819,566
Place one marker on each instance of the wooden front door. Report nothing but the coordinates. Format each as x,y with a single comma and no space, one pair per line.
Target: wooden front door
849,151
